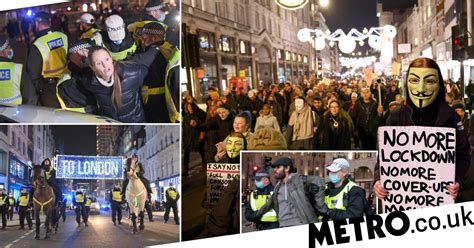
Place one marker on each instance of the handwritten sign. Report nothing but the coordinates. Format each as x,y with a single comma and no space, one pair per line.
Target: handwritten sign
218,178
416,165
89,167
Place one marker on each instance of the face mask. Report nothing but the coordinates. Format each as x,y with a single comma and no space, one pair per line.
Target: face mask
334,178
10,54
259,184
299,103
234,146
117,42
162,17
423,86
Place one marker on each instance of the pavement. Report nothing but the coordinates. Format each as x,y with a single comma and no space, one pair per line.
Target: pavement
100,233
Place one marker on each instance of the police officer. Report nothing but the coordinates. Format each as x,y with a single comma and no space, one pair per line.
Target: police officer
50,176
16,84
155,12
87,207
87,26
79,200
148,209
4,207
47,59
258,197
11,205
161,86
344,198
172,197
116,39
22,209
63,209
116,200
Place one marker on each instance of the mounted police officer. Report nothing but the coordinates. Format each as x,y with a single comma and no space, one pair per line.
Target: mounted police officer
15,83
161,86
116,200
47,59
49,174
258,197
23,210
116,39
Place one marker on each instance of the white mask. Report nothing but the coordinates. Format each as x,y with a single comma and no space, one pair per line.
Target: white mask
423,86
299,103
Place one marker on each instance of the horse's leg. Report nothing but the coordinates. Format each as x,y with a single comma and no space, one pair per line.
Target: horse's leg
49,213
134,222
38,224
141,215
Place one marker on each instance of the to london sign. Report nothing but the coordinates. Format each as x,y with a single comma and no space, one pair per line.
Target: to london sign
89,167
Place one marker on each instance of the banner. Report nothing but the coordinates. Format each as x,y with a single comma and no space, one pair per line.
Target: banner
18,4
89,167
218,178
416,165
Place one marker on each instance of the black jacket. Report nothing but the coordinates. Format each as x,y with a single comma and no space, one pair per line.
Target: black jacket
356,201
335,138
366,116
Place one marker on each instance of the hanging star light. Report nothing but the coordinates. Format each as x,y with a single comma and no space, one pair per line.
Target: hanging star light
347,42
291,4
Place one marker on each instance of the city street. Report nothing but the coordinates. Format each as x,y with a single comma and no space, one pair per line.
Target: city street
100,233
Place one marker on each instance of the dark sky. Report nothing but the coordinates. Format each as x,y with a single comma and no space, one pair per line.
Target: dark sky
78,140
358,14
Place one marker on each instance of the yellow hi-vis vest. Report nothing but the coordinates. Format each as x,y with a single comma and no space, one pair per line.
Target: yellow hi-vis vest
10,83
53,49
136,27
89,33
116,196
11,201
48,173
3,200
117,56
88,202
63,79
79,198
23,200
171,193
256,204
172,54
337,201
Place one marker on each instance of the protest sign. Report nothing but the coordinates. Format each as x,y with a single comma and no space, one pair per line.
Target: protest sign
89,167
218,178
416,165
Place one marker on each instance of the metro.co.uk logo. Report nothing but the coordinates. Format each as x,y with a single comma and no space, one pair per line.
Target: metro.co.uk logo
5,75
57,43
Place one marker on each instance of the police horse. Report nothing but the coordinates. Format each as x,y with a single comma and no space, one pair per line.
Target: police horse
44,201
136,195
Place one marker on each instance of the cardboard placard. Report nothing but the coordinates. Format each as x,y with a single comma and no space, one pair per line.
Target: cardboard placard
416,165
218,178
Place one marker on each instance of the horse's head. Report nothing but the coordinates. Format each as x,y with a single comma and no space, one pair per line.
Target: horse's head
39,177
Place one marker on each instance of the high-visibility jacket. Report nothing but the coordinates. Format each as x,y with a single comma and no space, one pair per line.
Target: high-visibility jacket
136,27
89,33
117,196
172,55
53,49
88,202
337,201
79,198
117,56
63,79
257,203
10,83
172,193
23,200
11,201
47,173
3,200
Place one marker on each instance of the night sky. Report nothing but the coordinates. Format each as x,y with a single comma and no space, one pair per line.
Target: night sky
78,140
358,14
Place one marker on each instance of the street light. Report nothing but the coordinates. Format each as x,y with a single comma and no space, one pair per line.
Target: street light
323,3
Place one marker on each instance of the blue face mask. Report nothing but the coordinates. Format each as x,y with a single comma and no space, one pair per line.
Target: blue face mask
117,42
334,178
259,184
162,17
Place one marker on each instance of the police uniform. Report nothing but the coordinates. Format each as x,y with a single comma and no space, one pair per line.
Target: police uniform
47,62
116,204
87,207
256,200
22,208
172,197
89,20
79,201
116,30
161,85
4,204
15,83
11,205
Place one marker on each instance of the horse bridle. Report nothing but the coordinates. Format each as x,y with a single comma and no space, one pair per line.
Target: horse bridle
42,204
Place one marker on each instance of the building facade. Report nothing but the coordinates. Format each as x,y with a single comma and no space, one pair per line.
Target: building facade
252,41
106,139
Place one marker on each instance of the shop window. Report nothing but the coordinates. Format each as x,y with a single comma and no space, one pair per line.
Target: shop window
206,41
226,44
244,47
